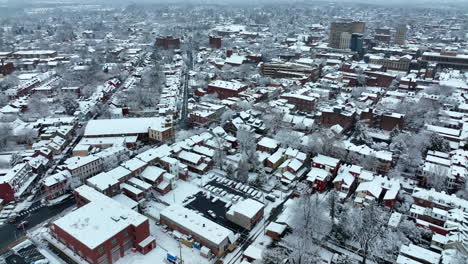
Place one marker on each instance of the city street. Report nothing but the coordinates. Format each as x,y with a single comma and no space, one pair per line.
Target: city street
9,233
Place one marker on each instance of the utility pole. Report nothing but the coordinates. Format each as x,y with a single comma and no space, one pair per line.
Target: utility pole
180,253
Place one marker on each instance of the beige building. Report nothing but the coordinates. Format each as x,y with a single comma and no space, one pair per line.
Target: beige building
337,28
392,63
345,40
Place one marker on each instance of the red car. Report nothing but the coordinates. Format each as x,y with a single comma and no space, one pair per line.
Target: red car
22,224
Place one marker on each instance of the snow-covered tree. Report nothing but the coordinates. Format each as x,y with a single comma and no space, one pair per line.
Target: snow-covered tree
246,143
438,143
360,135
310,226
273,121
367,226
288,138
69,104
226,116
437,178
37,107
5,135
15,159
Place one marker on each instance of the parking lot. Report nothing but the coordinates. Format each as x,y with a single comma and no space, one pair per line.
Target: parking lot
204,203
25,256
236,188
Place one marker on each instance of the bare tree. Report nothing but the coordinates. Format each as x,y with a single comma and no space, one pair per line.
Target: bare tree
367,226
288,138
437,177
310,226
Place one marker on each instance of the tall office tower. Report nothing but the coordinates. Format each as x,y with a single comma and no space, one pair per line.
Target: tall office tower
357,43
400,35
337,28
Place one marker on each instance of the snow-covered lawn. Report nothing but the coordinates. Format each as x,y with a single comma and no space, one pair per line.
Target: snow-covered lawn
183,189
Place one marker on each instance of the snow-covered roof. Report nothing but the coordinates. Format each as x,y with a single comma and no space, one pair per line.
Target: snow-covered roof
125,200
317,174
247,207
99,220
325,160
253,252
56,178
420,253
197,224
268,143
152,173
124,126
76,162
276,228
133,164
227,85
442,198
190,157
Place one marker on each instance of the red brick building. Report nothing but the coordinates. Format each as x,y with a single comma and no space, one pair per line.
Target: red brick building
215,42
318,178
168,42
115,229
225,89
303,103
6,68
385,121
57,184
337,116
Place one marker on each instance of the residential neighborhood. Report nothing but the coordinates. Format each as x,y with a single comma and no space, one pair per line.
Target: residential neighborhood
235,132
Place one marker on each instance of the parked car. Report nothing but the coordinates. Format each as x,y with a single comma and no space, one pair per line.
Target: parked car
211,213
270,197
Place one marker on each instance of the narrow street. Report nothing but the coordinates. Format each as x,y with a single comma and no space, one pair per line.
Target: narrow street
9,233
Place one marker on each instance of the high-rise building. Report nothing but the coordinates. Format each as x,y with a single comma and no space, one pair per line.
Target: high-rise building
338,28
357,43
400,35
345,40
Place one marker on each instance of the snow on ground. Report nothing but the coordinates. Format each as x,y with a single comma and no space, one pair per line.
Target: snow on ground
53,259
153,208
164,244
5,158
183,189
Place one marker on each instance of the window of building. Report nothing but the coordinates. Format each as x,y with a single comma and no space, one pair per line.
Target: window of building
114,241
100,249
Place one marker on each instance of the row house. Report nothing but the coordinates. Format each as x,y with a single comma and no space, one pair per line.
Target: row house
274,160
327,163
195,162
159,179
318,179
16,182
175,167
83,168
304,103
57,184
267,144
135,165
226,89
385,121
379,189
433,199
417,254
345,182
338,115
106,183
290,170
